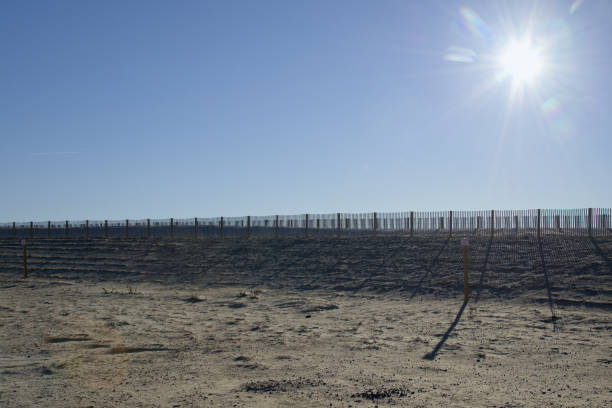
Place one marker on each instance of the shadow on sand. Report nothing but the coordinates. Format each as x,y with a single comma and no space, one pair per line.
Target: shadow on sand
483,270
432,355
601,253
553,317
431,265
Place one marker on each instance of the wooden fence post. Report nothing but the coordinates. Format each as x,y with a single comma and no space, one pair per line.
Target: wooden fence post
105,228
558,223
538,227
450,224
31,229
148,228
86,229
127,227
375,224
516,223
14,230
25,258
276,227
492,222
306,224
411,223
171,227
66,228
318,224
196,227
338,223
221,225
347,224
48,229
590,222
248,226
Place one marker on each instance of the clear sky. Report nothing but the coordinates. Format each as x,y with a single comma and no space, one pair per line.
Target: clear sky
117,109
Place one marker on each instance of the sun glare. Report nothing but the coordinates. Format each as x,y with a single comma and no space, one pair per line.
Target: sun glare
521,61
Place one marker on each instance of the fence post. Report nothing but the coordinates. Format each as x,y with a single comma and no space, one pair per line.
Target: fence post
516,223
347,224
248,226
558,222
14,230
375,222
86,229
105,228
48,229
221,224
276,226
66,228
450,224
318,224
148,228
196,227
338,223
492,222
590,222
171,227
25,258
539,217
31,229
306,224
127,227
411,223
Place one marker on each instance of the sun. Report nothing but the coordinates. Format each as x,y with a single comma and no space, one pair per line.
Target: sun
521,61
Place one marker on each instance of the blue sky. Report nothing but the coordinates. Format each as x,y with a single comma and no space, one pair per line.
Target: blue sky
178,109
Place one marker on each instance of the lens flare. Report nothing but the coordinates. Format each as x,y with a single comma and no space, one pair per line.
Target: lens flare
575,6
475,25
521,61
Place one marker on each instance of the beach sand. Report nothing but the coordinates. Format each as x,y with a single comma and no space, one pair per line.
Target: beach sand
307,322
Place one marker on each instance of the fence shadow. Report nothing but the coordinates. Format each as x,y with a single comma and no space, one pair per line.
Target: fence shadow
484,269
553,317
428,270
432,355
601,253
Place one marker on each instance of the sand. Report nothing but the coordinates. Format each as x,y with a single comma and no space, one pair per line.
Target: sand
339,322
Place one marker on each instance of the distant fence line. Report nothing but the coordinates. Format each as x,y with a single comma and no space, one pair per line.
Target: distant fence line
578,222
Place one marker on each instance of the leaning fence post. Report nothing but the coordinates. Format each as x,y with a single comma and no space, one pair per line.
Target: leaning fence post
148,228
306,224
171,227
248,226
196,227
105,228
590,222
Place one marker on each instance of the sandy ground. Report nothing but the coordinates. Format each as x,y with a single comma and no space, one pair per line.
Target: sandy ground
338,322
